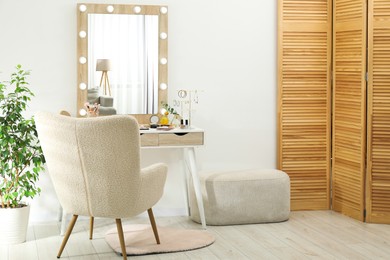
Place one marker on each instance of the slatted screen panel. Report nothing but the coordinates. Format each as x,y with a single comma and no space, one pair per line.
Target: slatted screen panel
378,179
304,61
349,107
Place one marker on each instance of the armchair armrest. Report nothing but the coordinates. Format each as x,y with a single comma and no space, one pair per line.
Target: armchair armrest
152,185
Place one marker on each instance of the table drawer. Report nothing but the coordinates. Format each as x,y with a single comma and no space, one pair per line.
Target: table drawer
181,139
149,139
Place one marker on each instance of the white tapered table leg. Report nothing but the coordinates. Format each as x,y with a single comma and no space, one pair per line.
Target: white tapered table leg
59,215
186,183
63,223
190,156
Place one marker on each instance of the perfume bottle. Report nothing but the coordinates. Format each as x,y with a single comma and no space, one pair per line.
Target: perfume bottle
176,121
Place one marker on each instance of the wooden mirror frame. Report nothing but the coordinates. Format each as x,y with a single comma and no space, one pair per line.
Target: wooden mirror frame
83,9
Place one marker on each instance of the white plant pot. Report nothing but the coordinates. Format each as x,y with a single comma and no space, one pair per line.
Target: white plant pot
14,224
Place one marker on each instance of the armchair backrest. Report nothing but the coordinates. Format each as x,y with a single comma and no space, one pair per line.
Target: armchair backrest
94,163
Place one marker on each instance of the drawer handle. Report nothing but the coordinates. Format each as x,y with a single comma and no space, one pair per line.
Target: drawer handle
180,134
141,133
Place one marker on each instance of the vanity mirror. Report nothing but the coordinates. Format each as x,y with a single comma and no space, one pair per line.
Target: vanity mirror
125,46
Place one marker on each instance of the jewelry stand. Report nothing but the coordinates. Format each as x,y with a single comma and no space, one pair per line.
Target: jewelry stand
187,97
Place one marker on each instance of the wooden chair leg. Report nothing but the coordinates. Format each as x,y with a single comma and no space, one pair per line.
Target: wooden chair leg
121,237
90,228
154,227
67,234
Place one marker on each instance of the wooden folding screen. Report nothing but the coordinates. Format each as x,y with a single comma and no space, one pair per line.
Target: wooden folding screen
304,106
360,121
349,107
378,170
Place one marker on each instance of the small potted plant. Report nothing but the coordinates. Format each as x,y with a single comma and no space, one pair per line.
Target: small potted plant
21,158
170,116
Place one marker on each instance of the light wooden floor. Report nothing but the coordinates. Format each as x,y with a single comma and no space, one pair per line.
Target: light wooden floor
306,235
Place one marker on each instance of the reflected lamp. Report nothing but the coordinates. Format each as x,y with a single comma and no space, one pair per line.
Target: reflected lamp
104,65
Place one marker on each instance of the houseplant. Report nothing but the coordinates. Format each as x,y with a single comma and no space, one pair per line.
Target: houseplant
21,157
170,116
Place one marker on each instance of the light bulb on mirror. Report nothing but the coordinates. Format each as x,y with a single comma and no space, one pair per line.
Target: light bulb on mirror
164,10
82,34
163,35
83,86
83,112
83,60
83,8
163,61
137,9
110,8
163,86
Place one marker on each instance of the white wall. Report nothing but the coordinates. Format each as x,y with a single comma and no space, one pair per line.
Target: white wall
226,48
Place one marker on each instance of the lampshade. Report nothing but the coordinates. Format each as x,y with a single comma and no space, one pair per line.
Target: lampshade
103,65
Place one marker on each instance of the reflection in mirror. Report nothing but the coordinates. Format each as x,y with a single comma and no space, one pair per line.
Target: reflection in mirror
130,43
134,39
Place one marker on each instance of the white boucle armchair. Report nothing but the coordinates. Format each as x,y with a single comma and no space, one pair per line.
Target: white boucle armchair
94,164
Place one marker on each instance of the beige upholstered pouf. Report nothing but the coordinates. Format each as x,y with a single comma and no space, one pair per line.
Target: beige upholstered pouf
243,197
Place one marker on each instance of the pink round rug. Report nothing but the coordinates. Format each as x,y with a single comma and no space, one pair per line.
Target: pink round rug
139,239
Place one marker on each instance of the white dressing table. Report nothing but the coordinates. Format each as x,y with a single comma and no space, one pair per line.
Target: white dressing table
185,139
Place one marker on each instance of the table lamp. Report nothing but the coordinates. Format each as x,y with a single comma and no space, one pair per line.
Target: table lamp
104,65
